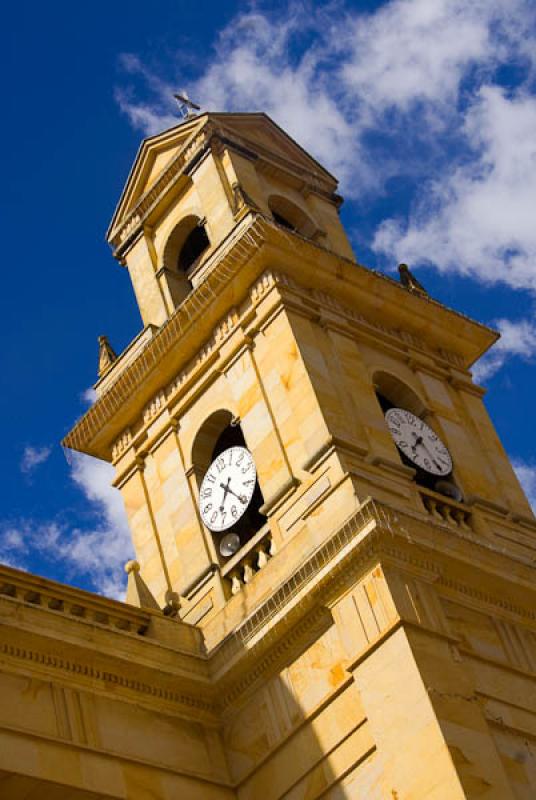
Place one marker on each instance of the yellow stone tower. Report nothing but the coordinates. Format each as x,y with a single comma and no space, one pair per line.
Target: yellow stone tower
334,594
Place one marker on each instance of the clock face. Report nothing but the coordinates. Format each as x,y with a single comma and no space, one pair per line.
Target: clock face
418,442
227,488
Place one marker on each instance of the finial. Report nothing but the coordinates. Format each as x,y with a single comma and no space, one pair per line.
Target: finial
107,355
409,280
187,108
138,593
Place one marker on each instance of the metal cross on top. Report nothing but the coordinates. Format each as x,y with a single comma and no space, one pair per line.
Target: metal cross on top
187,108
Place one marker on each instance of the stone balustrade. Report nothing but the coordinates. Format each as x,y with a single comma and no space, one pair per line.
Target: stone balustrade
72,602
241,569
446,510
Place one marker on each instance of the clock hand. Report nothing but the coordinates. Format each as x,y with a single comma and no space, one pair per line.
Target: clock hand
226,491
420,440
241,497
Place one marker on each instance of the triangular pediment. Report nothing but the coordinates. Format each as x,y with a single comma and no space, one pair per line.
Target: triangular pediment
254,131
153,157
266,137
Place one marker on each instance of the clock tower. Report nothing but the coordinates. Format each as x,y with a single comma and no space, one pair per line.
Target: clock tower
314,488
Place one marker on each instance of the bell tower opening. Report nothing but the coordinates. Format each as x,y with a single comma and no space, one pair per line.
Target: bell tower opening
252,520
394,394
193,247
221,452
290,216
182,252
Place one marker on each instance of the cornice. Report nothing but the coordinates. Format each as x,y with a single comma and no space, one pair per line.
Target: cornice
493,602
377,533
182,322
72,602
277,628
253,243
79,671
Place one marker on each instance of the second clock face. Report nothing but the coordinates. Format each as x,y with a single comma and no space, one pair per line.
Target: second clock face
418,442
227,488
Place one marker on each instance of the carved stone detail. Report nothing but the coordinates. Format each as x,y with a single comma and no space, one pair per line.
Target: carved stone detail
115,678
154,406
121,444
186,315
135,219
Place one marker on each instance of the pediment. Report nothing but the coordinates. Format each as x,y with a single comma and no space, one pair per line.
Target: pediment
153,157
266,137
254,131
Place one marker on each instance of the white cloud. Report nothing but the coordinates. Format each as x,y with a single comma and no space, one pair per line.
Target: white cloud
517,339
33,457
96,551
478,219
88,396
331,76
417,51
527,478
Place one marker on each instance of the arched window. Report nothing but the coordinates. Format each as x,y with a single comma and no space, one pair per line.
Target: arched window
182,252
193,247
394,393
281,220
219,433
290,216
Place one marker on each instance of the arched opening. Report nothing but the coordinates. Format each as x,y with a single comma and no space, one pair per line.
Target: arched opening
183,250
433,467
213,451
392,392
193,247
290,216
206,438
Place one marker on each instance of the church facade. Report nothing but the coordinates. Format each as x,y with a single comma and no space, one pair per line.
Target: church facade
333,594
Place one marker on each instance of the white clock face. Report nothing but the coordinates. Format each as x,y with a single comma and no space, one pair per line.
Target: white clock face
227,488
418,442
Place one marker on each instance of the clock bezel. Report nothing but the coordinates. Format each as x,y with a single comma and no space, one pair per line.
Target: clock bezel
418,464
249,492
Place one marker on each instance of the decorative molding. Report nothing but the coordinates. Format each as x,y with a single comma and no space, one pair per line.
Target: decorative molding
318,621
264,284
60,599
107,676
182,321
199,582
206,352
375,533
394,467
219,269
121,444
184,161
456,361
320,301
464,385
242,202
487,599
155,405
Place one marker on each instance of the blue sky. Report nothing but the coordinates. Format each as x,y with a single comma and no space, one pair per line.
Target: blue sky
424,109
